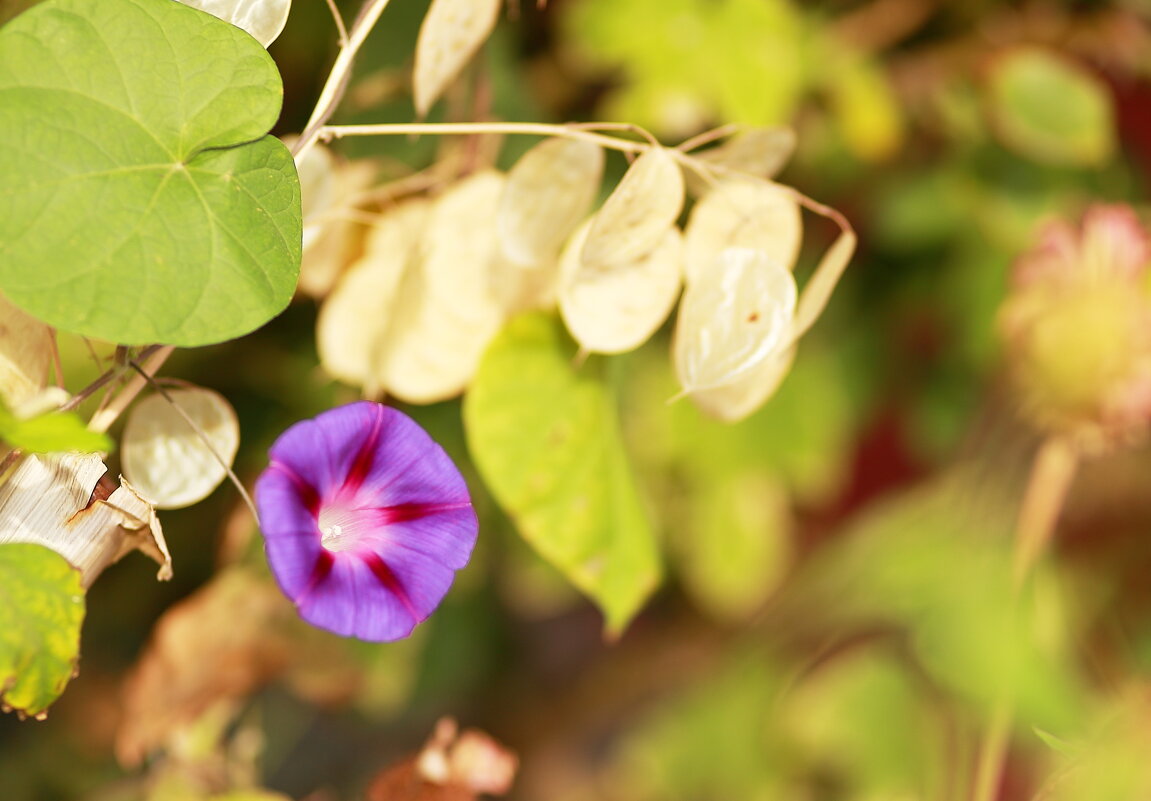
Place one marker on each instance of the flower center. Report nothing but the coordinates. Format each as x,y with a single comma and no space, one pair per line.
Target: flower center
342,529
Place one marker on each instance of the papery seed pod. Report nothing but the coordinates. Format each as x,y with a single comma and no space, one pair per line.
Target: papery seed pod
736,316
354,320
637,214
167,459
617,308
756,152
446,310
744,396
549,190
25,354
743,213
263,19
451,33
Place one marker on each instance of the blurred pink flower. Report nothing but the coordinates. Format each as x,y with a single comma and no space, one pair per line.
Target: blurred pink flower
1077,326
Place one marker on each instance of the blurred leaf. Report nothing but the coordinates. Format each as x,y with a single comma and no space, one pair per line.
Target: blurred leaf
861,719
179,221
734,547
689,63
544,436
41,609
52,432
711,740
867,110
913,561
1048,108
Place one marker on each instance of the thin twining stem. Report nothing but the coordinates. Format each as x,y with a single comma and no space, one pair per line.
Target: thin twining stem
341,71
330,132
153,359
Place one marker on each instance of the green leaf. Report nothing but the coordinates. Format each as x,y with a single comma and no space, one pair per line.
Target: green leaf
51,432
545,437
140,200
41,609
1048,108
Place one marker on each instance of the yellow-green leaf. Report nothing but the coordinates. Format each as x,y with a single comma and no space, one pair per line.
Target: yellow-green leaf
545,437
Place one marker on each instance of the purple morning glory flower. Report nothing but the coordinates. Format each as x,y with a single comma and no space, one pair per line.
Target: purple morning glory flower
365,520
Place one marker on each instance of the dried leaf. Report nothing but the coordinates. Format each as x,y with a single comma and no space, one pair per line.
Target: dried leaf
743,213
817,291
616,309
452,766
733,318
214,647
263,19
737,400
48,500
355,318
446,309
451,33
25,354
635,217
549,190
165,456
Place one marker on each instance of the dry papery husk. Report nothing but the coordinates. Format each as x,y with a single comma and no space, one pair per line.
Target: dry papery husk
617,308
637,214
60,501
214,647
733,317
332,237
755,152
446,309
166,459
743,213
263,19
548,191
354,319
26,348
451,33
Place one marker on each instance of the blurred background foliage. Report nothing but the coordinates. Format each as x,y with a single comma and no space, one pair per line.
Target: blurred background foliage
837,619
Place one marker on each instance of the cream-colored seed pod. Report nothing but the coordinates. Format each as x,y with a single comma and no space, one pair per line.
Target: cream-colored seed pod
166,459
25,354
355,318
637,214
446,310
263,19
451,33
743,213
733,318
760,152
549,190
745,395
616,309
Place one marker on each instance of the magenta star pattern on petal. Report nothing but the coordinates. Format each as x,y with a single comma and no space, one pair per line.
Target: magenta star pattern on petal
365,520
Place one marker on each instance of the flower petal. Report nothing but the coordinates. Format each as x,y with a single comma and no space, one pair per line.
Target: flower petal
407,519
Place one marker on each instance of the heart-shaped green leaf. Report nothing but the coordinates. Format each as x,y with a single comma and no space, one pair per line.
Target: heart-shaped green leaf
41,609
546,439
140,199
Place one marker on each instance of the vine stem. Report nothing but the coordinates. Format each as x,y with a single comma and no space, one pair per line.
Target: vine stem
1052,472
152,360
329,132
338,77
